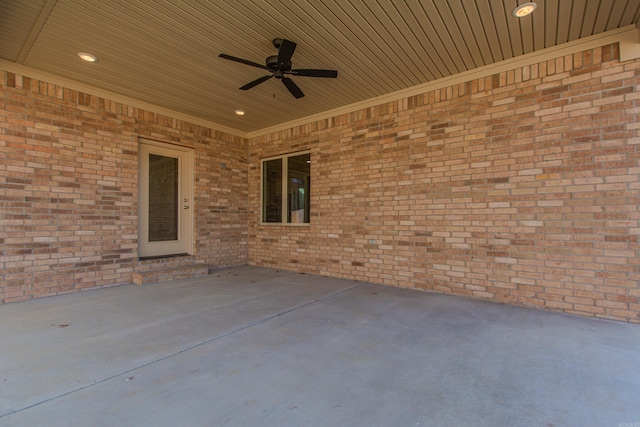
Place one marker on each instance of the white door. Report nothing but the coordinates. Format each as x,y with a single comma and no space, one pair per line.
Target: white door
165,200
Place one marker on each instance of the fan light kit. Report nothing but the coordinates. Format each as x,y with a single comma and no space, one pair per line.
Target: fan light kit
88,57
524,9
279,65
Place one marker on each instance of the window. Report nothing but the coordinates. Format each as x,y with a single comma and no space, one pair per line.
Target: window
291,176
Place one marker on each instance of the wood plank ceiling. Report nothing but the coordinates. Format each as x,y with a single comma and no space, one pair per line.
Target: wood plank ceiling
165,52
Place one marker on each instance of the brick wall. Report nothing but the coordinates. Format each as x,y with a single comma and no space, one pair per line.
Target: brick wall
68,189
522,187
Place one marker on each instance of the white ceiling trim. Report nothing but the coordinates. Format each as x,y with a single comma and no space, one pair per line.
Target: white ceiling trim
26,71
628,37
630,46
624,36
37,27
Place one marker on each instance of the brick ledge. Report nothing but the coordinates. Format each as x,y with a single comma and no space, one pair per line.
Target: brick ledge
145,277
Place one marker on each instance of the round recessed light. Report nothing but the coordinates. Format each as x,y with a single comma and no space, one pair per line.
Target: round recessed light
239,112
87,57
524,9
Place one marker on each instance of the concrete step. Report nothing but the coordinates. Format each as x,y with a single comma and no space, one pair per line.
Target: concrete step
145,277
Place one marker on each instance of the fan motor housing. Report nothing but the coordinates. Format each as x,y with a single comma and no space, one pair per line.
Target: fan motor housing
273,65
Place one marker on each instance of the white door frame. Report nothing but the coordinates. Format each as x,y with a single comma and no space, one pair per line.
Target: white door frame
184,243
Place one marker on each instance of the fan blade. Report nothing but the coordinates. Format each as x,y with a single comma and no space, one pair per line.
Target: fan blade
315,73
293,88
255,82
285,52
242,61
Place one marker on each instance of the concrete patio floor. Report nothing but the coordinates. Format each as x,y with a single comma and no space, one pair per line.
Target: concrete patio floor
251,346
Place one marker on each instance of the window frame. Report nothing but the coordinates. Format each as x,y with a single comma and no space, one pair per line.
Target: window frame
285,183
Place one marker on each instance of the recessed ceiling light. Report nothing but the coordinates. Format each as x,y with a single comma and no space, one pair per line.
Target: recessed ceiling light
239,112
524,9
87,57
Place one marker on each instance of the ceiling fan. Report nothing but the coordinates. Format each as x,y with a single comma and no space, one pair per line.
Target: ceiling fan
280,65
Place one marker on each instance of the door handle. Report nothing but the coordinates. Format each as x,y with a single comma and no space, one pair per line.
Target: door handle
185,207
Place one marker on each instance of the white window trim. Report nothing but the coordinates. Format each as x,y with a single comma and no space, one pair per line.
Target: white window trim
285,167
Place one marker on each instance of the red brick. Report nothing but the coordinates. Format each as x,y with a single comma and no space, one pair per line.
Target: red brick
522,192
73,169
520,187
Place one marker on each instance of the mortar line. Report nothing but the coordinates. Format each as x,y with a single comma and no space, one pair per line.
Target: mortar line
184,350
